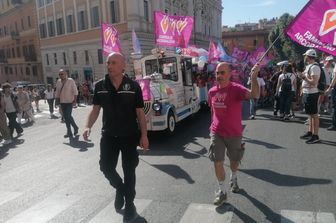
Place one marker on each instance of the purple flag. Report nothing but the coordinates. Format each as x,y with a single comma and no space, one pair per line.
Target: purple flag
315,26
240,55
110,39
172,30
257,55
135,43
213,53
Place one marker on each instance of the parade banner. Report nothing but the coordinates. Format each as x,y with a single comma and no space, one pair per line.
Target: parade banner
110,39
135,43
315,26
174,31
240,55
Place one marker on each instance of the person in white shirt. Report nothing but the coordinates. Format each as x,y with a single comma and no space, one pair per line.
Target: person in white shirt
310,78
50,98
328,71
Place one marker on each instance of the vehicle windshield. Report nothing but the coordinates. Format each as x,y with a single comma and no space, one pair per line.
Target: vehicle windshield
166,66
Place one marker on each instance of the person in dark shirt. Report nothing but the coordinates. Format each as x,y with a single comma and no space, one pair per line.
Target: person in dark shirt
123,116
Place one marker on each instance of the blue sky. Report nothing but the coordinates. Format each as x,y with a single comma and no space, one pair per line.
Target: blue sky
241,11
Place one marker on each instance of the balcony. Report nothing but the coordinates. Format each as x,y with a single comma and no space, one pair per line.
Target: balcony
16,60
15,35
30,58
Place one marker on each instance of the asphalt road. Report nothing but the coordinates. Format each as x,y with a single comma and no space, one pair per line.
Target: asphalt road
46,178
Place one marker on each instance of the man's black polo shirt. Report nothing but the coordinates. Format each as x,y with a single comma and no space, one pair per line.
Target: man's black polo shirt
119,106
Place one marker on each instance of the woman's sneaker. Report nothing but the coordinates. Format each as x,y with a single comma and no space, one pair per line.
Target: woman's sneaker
313,139
307,135
220,198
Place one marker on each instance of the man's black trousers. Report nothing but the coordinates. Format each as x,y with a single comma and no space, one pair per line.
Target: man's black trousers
110,147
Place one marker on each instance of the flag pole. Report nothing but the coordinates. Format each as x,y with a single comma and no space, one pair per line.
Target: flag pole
269,48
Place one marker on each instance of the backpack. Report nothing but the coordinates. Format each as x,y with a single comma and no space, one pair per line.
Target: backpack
322,80
286,83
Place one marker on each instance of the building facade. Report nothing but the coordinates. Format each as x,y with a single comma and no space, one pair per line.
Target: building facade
20,58
247,36
70,30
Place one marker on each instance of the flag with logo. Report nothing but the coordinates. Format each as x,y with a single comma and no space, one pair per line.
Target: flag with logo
315,26
135,43
257,55
223,56
110,39
170,30
239,54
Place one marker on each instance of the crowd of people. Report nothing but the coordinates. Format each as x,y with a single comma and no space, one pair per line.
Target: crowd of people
305,85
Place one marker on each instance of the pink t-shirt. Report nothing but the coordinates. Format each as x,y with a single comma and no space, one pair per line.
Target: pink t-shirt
226,108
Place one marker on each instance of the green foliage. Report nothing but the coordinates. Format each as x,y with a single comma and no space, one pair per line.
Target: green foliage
285,48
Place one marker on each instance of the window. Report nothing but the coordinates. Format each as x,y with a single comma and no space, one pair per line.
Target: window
87,61
29,23
48,1
74,57
18,51
1,32
51,28
43,30
25,51
82,21
95,16
60,26
146,14
34,68
167,67
27,71
100,56
114,11
255,42
22,24
5,30
10,69
47,59
64,58
13,52
70,23
40,3
55,58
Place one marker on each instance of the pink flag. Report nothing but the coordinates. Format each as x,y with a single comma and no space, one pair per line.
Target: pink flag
145,87
213,52
172,30
110,39
257,55
315,26
240,55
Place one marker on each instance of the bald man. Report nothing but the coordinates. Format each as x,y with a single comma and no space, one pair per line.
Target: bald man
123,121
225,100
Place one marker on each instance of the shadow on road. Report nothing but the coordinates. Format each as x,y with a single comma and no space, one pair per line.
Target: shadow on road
270,215
262,143
243,217
326,142
174,171
5,148
282,179
81,145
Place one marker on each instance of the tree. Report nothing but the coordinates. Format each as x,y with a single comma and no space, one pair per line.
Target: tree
285,48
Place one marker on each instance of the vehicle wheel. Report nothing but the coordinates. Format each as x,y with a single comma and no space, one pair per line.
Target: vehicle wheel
171,123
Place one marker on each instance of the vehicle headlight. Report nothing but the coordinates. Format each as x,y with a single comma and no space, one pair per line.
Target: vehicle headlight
156,106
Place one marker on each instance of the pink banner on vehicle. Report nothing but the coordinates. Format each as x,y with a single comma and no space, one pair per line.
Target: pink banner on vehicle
315,26
110,39
145,87
172,30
